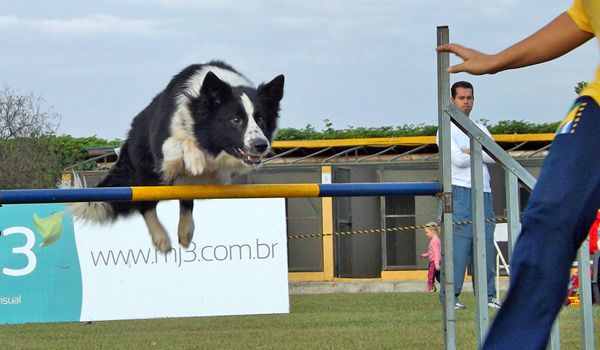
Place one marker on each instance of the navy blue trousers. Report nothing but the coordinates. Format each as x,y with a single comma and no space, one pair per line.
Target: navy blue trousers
556,221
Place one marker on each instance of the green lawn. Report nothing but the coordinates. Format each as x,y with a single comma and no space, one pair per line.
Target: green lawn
329,321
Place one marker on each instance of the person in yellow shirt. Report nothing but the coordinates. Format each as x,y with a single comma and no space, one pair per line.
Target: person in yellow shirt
566,196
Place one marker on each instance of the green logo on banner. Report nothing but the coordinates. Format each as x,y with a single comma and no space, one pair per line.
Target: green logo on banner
40,277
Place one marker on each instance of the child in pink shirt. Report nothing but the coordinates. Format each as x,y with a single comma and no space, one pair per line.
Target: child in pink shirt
434,253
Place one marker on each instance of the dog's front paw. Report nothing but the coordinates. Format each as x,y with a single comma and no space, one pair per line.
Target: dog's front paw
172,165
194,159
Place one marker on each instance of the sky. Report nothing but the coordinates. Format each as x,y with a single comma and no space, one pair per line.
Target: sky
97,63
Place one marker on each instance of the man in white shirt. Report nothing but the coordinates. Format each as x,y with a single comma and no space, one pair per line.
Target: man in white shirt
462,98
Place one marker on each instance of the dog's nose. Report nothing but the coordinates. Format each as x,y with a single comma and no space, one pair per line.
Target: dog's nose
260,145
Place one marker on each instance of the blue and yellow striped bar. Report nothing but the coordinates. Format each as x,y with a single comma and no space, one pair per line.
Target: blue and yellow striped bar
156,193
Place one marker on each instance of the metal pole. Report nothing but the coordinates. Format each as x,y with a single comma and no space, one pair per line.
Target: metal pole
479,235
512,210
443,62
585,296
554,341
156,193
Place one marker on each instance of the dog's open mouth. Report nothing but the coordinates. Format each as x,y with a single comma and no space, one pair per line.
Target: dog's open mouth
247,157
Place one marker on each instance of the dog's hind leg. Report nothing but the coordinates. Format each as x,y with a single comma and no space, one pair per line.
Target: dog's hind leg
185,229
159,235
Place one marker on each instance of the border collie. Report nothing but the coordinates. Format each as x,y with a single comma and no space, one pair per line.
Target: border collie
209,124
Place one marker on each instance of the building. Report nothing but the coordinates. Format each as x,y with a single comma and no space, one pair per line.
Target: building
391,248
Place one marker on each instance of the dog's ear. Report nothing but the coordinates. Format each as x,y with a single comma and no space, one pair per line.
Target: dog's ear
272,92
214,91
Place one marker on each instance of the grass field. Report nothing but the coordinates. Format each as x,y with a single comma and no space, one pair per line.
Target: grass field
328,321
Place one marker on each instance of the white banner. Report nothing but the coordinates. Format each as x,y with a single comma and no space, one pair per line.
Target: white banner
235,265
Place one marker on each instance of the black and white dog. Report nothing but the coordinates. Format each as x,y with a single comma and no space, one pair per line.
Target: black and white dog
207,125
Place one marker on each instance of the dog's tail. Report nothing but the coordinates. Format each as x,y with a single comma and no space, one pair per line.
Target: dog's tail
97,212
106,212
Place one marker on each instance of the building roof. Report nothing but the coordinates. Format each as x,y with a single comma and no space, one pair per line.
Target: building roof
383,149
393,148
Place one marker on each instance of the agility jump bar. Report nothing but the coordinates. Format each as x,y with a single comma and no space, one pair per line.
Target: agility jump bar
156,193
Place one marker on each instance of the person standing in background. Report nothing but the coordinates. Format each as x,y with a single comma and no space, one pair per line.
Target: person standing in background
463,237
434,253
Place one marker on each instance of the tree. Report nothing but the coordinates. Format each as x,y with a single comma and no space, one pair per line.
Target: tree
24,116
27,156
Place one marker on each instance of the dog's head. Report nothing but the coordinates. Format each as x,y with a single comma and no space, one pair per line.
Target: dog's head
238,120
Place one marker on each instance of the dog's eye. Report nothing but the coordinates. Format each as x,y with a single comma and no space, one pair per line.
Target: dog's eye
236,120
259,119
